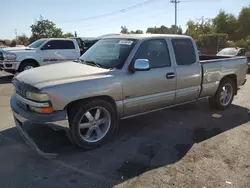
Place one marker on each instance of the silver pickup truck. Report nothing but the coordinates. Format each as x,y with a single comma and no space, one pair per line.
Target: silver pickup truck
120,77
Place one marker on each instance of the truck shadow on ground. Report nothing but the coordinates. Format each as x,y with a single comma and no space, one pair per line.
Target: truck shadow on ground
6,79
142,143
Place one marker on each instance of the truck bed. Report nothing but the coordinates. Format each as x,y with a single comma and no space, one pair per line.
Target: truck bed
204,58
214,68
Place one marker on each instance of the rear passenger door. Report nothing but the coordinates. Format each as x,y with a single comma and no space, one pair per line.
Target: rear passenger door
149,90
188,70
56,51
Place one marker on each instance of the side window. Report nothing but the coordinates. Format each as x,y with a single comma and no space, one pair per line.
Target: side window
59,45
184,51
241,52
156,51
51,45
66,45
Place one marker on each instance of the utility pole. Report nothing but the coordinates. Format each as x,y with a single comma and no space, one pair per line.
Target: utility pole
16,33
175,2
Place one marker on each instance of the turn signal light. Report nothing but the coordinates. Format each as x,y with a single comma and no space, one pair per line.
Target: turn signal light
44,110
47,110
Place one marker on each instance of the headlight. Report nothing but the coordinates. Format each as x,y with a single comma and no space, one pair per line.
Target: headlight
41,97
10,56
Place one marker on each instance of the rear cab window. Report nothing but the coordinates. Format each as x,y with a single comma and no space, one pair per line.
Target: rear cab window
184,51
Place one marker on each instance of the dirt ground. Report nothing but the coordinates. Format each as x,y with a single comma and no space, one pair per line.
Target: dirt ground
188,146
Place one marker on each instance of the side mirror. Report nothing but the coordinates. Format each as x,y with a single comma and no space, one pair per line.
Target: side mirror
45,47
141,65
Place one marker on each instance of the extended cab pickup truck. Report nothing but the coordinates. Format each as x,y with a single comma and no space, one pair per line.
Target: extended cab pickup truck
38,53
120,77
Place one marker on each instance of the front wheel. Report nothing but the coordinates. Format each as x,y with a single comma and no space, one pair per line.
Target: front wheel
92,124
224,95
26,66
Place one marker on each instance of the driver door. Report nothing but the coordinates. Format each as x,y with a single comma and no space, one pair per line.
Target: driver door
153,89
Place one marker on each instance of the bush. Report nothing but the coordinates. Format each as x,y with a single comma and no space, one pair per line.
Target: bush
213,40
13,43
243,43
230,44
211,43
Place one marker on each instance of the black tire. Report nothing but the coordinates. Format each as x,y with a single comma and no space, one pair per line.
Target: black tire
25,64
76,115
215,102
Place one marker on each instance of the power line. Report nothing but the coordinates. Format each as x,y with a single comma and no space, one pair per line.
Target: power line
118,20
112,13
196,1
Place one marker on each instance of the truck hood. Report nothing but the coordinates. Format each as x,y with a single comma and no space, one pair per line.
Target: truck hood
17,49
60,73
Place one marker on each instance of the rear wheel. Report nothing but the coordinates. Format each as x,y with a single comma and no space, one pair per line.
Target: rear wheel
26,65
224,95
92,124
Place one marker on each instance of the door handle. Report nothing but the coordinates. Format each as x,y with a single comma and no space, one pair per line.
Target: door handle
170,75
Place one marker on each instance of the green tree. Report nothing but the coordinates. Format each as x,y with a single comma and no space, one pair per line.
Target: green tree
226,23
23,39
164,30
7,42
124,30
13,43
137,32
244,23
67,35
201,26
46,29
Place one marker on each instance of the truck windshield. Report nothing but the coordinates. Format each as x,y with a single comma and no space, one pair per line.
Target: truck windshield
109,53
229,52
36,44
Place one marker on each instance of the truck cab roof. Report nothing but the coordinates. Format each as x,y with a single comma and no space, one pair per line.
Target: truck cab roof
146,36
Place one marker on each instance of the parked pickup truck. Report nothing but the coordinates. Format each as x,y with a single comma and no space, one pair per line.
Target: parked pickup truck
120,77
40,52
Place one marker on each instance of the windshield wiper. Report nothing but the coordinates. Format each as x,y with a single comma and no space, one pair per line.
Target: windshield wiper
93,63
90,63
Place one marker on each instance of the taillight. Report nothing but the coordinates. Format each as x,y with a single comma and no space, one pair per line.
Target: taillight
248,58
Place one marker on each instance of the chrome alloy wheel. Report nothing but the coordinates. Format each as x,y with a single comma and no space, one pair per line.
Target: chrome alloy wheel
28,67
226,94
94,124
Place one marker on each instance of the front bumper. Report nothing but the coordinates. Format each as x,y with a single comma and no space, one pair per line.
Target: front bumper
22,116
56,119
9,65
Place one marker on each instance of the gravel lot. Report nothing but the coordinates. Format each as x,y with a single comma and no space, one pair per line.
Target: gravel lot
187,146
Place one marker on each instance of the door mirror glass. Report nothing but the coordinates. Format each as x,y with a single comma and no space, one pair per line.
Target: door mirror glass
141,65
